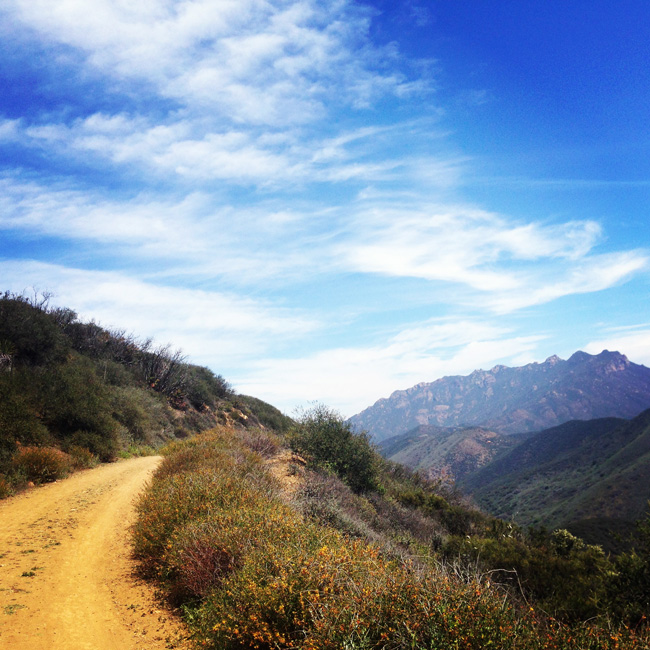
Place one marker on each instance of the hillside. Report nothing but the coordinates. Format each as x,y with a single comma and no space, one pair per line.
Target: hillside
447,453
363,554
570,475
516,400
73,393
589,476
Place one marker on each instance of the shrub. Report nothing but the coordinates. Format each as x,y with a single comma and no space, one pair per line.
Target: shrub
33,334
74,399
629,585
19,418
5,488
328,442
268,415
104,448
82,458
42,464
141,412
203,388
203,475
263,442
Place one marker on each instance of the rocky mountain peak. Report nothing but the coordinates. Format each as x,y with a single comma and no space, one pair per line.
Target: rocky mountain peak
517,400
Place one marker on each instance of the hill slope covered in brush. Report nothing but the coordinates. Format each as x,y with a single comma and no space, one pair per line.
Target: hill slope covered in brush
572,473
73,392
337,548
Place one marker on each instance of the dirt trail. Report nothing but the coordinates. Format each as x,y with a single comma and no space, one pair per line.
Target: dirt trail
66,577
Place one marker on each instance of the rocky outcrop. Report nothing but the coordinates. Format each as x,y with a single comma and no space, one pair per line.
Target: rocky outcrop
516,400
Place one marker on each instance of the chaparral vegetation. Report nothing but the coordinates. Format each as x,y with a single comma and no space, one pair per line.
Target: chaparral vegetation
270,532
362,553
73,393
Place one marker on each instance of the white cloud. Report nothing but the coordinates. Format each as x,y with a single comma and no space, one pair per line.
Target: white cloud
253,61
350,379
213,327
500,266
189,149
9,130
634,342
515,265
156,225
194,237
589,275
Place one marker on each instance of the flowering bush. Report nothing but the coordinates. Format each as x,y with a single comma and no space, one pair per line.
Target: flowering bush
42,464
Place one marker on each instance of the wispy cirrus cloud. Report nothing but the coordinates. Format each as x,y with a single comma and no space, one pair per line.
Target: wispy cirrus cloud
502,266
355,377
586,275
212,326
253,61
192,236
190,150
510,264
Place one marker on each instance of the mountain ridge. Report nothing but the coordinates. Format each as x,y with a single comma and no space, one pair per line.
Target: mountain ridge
522,399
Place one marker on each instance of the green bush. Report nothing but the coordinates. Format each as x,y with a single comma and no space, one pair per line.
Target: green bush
82,458
33,336
105,448
144,414
328,442
629,585
268,415
203,388
19,418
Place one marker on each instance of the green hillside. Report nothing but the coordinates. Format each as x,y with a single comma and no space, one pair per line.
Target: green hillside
573,473
73,393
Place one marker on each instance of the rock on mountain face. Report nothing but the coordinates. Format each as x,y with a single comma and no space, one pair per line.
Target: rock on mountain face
516,400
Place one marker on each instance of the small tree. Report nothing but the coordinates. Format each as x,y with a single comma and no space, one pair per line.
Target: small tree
329,442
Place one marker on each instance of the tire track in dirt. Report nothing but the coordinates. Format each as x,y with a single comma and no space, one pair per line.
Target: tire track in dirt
67,579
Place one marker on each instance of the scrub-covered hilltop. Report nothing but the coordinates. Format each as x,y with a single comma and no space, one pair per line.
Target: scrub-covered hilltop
73,393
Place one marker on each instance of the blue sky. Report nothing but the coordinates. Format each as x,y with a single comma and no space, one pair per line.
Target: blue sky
333,201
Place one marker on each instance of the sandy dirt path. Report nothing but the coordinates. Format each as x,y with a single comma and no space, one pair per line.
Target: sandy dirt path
66,575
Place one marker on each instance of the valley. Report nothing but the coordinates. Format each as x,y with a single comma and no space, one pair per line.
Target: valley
587,474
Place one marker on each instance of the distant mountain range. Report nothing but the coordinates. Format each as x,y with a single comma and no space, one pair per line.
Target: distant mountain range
516,400
588,470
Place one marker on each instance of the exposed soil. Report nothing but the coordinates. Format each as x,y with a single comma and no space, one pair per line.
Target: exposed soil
287,467
67,579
